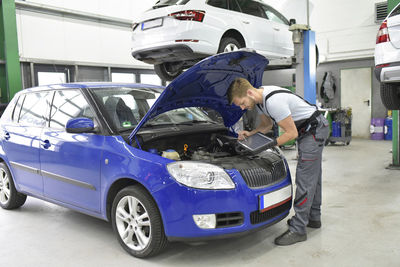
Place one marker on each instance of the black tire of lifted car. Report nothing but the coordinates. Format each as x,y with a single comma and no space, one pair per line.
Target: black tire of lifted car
226,41
390,95
16,199
163,72
158,240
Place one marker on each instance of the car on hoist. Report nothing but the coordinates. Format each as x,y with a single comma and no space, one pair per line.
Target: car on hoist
175,34
146,159
387,59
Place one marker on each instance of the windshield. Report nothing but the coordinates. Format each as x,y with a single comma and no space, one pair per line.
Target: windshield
127,106
180,116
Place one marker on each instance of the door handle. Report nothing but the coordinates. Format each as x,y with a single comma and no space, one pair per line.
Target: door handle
367,102
277,29
246,22
46,144
6,136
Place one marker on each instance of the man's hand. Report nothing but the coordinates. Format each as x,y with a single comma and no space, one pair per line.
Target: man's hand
243,134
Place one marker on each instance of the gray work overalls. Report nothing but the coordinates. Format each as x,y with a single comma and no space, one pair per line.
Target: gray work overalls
311,141
307,202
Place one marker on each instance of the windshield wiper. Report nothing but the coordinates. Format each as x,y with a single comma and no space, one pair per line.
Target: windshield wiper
193,122
127,129
158,124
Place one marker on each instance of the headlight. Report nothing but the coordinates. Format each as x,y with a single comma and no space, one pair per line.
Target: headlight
200,175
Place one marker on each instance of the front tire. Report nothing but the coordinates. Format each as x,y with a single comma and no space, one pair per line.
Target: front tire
390,95
137,222
10,198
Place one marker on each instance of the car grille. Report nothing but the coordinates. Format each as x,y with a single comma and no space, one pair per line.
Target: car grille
229,219
259,217
264,173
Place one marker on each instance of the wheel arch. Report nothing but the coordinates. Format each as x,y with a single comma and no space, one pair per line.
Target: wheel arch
234,34
117,186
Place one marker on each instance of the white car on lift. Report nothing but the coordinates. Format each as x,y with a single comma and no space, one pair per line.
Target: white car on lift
175,34
387,59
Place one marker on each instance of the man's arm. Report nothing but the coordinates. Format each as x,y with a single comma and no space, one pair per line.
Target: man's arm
290,130
264,127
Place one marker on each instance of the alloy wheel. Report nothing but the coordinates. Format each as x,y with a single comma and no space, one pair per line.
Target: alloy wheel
4,187
133,223
230,48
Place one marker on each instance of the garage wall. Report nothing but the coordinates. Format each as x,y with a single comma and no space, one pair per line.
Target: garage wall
285,78
75,39
344,29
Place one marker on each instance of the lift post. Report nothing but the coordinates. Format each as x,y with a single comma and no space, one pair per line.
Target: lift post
10,69
305,55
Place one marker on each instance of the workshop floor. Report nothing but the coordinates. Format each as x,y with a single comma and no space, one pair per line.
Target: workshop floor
360,226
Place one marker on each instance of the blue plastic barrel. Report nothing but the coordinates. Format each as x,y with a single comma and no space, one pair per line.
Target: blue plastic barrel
376,128
334,130
339,129
388,128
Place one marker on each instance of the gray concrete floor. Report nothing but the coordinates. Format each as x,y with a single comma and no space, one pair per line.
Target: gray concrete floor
361,221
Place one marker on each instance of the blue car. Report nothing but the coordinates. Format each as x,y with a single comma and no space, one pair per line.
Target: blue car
148,159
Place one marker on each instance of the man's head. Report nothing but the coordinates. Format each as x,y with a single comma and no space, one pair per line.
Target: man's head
242,94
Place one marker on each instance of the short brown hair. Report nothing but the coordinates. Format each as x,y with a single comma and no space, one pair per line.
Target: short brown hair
238,88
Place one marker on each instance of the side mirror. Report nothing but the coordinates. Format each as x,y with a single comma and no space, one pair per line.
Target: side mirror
292,21
80,125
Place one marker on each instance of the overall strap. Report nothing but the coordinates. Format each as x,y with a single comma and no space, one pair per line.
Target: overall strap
286,92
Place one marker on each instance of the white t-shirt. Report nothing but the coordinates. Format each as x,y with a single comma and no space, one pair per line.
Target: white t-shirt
282,105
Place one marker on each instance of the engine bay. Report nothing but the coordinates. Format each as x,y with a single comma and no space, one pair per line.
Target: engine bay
216,147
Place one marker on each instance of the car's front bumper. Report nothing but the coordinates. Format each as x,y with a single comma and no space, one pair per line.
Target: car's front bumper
178,204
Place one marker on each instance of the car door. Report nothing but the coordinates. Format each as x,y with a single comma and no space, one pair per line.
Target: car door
70,162
283,43
22,141
258,29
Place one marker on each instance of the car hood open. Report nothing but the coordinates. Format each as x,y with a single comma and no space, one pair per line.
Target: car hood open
206,85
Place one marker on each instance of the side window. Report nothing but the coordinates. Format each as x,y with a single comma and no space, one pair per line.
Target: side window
234,6
251,8
68,104
395,12
17,108
218,3
34,109
274,15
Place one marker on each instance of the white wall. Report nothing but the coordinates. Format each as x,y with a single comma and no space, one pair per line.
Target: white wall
345,29
51,37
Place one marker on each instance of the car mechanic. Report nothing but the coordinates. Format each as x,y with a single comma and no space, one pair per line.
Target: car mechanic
298,119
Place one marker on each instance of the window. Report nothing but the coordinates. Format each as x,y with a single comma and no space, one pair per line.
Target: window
123,77
218,3
233,5
150,79
274,15
45,78
17,109
34,109
163,3
125,106
68,104
251,8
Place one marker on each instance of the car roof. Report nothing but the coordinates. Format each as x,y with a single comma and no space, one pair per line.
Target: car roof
92,85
